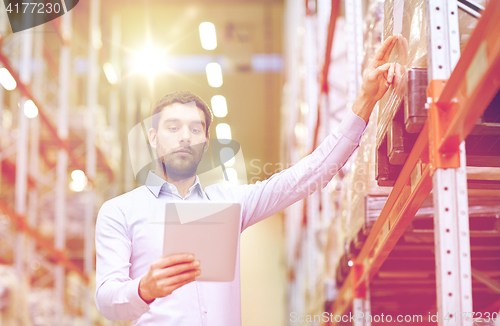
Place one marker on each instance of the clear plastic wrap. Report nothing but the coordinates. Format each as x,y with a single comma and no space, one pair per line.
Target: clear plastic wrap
373,31
362,180
345,204
410,51
333,249
13,298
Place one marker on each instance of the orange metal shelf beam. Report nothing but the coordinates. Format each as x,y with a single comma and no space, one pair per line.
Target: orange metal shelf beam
59,256
25,89
409,192
471,87
324,76
326,66
475,79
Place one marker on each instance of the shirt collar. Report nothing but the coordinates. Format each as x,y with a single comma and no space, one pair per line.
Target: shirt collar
155,183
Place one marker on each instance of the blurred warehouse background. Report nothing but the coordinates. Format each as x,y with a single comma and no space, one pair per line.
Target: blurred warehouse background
74,88
278,75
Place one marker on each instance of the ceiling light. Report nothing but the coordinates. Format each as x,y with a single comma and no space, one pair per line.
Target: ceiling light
219,106
214,74
6,79
232,175
208,36
223,132
227,156
110,73
149,61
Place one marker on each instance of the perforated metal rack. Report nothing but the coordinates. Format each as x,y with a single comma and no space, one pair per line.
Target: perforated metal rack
460,89
53,256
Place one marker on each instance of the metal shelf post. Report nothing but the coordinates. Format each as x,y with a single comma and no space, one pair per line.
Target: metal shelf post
361,298
451,218
354,31
91,159
21,187
62,161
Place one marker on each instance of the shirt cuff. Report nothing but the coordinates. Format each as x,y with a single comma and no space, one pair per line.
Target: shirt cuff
353,126
133,296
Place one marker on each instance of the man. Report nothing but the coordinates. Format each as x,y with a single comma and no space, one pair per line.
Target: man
134,281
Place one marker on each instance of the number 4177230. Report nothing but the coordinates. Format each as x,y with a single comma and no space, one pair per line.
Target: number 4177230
34,8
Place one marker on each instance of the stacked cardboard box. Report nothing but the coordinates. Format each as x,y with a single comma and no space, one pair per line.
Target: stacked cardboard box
408,18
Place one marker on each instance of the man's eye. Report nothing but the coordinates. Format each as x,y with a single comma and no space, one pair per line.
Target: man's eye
196,130
173,128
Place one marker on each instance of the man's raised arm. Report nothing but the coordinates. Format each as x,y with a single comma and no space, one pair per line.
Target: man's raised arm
263,199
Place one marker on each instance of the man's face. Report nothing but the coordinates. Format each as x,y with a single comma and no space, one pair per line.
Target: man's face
180,140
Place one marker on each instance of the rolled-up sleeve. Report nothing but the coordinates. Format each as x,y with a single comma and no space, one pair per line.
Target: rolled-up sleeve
117,295
263,199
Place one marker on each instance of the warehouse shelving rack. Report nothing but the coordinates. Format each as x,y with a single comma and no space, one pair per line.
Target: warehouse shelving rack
312,59
457,96
29,182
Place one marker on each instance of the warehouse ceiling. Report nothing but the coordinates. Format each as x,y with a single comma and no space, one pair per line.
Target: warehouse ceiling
249,36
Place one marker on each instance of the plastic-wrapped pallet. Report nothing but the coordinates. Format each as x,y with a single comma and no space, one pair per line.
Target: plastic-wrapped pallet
341,267
363,185
13,299
359,181
408,18
334,248
373,32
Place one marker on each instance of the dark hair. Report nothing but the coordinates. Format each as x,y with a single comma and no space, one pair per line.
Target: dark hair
181,97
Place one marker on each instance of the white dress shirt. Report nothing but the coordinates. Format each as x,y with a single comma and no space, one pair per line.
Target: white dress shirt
127,242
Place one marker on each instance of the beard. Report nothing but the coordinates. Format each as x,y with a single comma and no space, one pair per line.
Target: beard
181,166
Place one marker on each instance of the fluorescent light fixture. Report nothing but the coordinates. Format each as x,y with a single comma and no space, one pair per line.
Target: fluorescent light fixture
79,180
227,156
110,73
214,74
208,36
30,109
232,175
219,106
149,61
223,132
8,82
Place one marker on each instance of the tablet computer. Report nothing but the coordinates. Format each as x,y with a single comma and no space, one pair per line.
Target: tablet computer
209,230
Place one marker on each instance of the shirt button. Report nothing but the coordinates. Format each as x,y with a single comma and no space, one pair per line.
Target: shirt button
205,310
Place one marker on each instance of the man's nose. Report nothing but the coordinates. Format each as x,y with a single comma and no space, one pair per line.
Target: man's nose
185,135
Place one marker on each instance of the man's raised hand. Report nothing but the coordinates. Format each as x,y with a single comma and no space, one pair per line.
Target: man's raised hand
379,73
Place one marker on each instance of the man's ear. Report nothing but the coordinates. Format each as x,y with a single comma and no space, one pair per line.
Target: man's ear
152,137
207,144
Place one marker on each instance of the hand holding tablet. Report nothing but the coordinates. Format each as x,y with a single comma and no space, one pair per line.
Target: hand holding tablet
168,274
209,231
196,234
